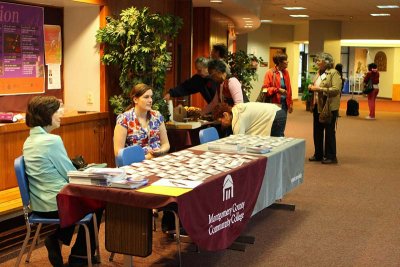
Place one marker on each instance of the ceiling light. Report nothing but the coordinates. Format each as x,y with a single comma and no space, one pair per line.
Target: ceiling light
380,15
294,8
265,21
388,6
248,26
246,18
215,1
299,16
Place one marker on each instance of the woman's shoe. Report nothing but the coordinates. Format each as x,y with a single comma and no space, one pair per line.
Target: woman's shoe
329,161
313,158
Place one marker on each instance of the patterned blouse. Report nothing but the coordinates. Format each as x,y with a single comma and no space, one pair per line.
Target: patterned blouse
146,138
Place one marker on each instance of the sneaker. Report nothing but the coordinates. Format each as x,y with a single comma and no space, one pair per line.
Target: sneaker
369,118
54,250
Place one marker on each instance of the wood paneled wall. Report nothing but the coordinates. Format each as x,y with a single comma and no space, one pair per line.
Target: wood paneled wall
88,135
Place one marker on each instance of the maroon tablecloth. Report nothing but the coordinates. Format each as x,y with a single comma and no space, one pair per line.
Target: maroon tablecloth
214,213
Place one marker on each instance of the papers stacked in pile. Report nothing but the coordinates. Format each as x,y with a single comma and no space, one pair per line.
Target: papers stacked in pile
97,176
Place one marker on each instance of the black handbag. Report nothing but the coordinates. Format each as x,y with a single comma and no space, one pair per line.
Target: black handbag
325,116
264,97
368,87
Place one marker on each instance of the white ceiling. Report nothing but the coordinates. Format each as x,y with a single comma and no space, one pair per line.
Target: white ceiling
340,10
256,10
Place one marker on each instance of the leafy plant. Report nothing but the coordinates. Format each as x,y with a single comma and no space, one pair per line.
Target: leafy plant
244,67
305,81
136,42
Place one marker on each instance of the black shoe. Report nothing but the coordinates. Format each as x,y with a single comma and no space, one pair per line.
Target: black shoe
54,250
80,261
329,161
313,158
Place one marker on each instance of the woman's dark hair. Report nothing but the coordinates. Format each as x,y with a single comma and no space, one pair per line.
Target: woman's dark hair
40,111
219,110
216,64
372,66
221,49
279,57
339,68
137,91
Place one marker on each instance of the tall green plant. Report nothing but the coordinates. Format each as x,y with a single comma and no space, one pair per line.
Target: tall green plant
244,67
136,42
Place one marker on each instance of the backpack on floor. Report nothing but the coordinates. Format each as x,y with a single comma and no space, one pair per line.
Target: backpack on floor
352,107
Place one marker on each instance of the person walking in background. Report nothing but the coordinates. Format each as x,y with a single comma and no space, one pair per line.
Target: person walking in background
372,74
328,81
339,68
276,85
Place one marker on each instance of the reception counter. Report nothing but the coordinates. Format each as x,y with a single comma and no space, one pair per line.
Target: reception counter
87,134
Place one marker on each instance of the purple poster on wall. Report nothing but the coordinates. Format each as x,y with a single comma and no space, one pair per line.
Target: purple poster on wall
21,49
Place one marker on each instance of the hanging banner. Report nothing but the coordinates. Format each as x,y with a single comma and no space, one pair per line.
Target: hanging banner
52,42
21,49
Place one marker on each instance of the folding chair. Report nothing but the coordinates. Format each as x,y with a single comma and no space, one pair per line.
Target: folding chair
208,134
129,155
31,219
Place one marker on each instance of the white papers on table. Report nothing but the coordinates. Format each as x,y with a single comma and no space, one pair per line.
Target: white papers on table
177,183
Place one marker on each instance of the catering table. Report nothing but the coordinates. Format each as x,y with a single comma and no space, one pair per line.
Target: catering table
213,213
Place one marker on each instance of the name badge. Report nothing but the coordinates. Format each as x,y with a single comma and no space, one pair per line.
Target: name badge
323,76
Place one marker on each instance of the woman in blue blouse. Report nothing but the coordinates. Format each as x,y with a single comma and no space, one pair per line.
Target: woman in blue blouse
47,164
141,125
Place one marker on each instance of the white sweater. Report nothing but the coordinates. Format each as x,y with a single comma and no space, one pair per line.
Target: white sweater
253,118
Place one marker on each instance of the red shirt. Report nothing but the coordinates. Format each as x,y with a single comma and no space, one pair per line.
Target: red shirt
374,75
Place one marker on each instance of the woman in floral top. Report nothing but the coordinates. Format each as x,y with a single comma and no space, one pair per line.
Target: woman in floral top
141,125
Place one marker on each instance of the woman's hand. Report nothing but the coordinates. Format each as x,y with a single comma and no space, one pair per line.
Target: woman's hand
282,91
156,152
314,88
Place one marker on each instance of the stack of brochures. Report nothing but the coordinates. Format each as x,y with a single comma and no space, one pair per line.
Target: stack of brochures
225,146
129,183
96,176
258,149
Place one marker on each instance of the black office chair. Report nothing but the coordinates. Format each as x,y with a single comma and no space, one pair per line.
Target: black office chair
32,218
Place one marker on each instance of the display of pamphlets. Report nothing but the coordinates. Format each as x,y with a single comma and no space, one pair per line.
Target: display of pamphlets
248,143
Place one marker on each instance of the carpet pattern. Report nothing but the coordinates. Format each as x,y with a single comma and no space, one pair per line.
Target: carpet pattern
346,214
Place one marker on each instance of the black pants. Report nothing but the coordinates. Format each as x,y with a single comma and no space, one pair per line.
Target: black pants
330,136
65,234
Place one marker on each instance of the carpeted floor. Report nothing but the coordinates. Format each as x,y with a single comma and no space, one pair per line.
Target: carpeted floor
346,214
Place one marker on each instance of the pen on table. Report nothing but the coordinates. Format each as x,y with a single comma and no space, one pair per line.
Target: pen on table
178,183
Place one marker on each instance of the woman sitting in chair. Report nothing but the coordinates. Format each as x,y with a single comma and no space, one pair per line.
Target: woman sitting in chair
141,125
47,164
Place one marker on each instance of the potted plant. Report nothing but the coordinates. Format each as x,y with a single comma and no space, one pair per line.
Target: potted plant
136,42
306,94
244,67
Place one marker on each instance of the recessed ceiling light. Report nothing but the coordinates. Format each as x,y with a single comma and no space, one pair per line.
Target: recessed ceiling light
246,18
215,1
299,16
265,21
294,8
388,6
248,26
380,15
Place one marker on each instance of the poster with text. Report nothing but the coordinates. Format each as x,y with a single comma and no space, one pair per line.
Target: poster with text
52,44
21,49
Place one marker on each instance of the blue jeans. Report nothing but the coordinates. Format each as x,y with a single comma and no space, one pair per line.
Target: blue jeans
279,124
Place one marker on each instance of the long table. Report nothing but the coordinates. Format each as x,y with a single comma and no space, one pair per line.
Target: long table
214,213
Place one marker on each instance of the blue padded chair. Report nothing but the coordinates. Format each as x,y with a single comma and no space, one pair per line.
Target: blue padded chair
129,155
208,134
31,219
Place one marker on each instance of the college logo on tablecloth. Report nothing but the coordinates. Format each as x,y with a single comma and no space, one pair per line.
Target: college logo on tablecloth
227,190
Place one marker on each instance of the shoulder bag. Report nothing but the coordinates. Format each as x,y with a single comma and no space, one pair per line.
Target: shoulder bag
263,96
325,116
368,87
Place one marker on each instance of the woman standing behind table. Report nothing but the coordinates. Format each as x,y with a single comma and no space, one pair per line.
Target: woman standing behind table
374,75
327,82
141,125
47,164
